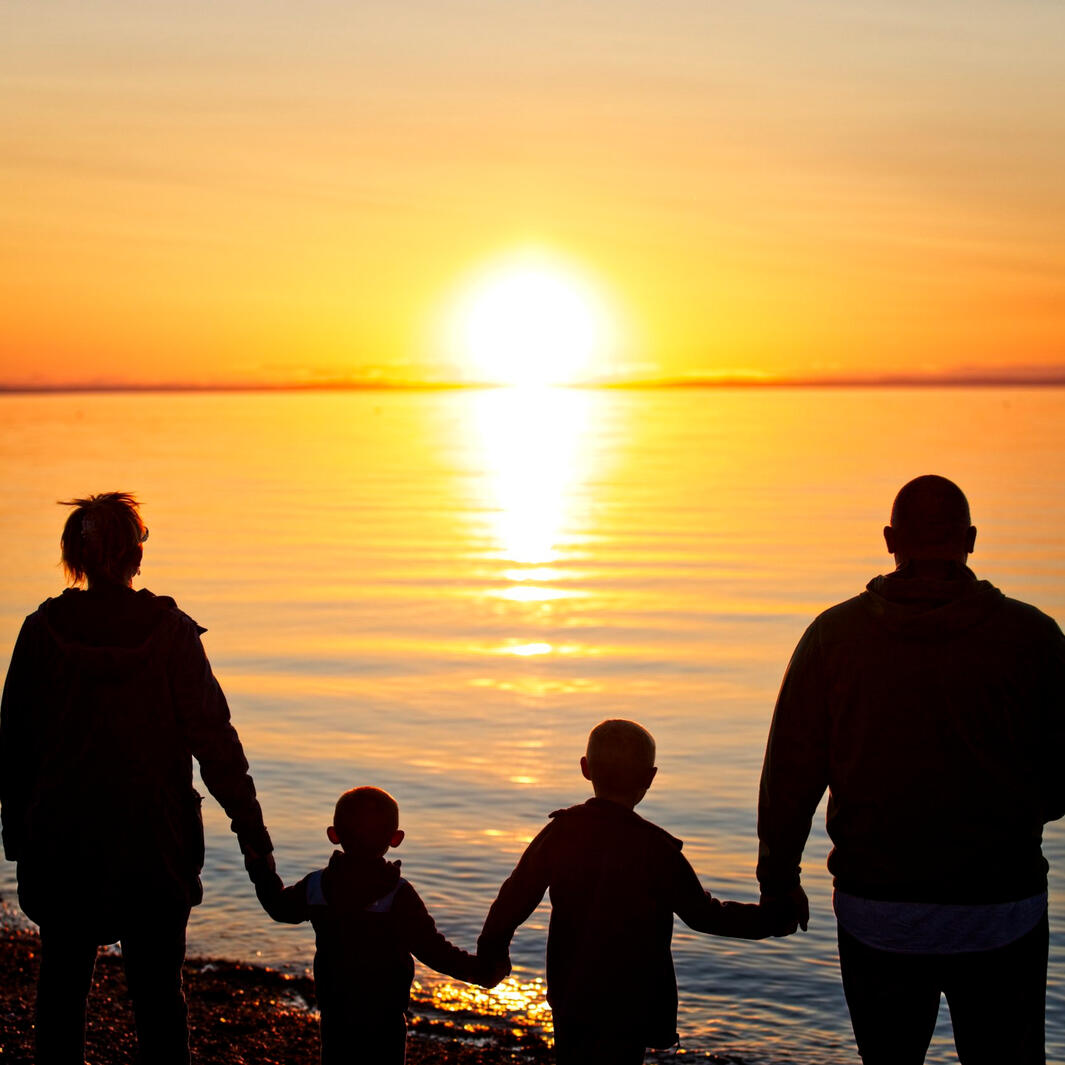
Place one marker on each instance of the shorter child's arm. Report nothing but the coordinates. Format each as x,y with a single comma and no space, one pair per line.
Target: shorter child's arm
285,904
699,910
432,947
519,895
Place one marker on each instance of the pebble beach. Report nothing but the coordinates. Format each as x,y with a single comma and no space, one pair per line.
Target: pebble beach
238,1015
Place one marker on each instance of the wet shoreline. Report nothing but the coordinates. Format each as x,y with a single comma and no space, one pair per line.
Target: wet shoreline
238,1015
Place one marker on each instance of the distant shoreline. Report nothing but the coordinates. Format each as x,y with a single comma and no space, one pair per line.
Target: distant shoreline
1051,381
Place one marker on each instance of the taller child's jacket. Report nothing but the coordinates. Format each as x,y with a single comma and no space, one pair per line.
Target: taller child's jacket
616,880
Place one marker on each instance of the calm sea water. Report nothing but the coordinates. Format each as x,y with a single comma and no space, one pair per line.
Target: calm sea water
441,593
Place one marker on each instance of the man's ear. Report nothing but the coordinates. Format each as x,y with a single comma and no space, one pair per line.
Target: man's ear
331,832
652,773
970,540
585,771
397,838
889,539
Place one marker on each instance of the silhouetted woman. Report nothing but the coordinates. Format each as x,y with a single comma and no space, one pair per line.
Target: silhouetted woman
108,698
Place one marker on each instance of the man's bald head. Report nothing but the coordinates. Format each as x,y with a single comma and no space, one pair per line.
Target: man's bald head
930,520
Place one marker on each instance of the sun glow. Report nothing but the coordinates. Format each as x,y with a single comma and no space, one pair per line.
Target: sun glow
532,319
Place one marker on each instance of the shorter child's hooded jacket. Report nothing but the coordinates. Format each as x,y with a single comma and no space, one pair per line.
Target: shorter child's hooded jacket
368,921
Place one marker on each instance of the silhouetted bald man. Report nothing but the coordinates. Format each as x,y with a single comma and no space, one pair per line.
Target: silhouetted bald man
931,707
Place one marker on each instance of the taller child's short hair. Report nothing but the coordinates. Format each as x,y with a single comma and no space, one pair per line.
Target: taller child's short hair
102,537
619,754
366,819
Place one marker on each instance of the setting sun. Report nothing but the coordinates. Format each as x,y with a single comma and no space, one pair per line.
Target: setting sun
531,319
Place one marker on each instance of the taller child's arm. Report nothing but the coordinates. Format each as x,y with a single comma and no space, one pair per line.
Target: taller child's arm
518,897
699,910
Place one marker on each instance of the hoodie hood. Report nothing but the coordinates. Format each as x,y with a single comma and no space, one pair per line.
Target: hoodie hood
351,882
603,814
107,632
930,608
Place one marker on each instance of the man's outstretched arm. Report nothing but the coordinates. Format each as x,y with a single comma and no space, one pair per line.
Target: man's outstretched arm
794,776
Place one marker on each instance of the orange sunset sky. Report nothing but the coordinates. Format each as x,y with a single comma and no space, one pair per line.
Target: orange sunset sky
241,193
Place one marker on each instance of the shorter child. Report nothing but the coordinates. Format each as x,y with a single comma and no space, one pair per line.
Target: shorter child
615,880
368,921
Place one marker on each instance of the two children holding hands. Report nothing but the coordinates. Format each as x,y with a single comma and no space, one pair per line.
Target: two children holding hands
615,881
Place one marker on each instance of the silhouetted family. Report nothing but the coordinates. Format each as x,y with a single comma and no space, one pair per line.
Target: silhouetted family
930,706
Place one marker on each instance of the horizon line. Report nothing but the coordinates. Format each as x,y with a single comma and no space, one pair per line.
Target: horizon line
988,379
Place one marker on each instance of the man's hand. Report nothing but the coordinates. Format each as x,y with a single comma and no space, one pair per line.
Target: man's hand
791,909
493,970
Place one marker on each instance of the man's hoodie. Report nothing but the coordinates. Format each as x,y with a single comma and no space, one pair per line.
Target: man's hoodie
108,698
368,921
933,712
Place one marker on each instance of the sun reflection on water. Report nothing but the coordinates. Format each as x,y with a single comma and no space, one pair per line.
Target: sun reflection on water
533,443
524,593
521,1002
527,650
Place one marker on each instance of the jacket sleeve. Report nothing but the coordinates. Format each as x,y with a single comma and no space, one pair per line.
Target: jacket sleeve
518,897
203,716
18,755
795,770
1052,698
700,911
429,945
287,905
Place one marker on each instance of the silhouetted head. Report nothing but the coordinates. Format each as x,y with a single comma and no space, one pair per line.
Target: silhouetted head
930,521
102,539
366,821
620,761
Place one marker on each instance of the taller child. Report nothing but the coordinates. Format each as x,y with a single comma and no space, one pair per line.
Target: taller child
616,881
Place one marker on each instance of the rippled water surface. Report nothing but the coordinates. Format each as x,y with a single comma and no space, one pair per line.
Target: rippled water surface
442,592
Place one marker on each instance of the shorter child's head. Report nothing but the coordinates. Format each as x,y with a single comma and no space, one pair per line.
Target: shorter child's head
620,761
366,821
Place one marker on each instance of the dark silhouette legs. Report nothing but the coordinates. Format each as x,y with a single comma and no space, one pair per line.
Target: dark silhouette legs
997,1001
349,1040
67,963
153,949
580,1042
